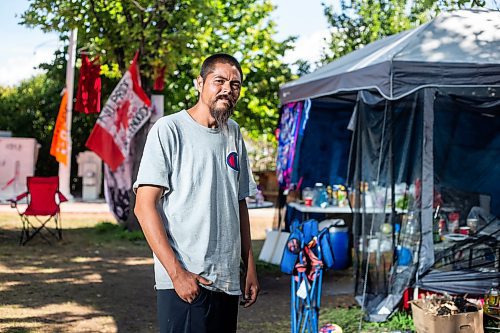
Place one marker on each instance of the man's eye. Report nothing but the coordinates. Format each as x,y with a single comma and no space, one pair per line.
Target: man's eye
236,86
219,81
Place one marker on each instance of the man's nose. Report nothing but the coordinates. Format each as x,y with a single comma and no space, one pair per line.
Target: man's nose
226,87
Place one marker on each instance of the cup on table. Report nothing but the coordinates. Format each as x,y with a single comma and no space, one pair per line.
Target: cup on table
465,230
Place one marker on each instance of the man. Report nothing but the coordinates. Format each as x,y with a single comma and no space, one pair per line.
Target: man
191,188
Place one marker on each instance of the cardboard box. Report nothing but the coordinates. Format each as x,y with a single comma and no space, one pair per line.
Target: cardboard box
469,322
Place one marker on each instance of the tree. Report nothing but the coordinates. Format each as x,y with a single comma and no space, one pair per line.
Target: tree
361,22
39,99
179,35
30,110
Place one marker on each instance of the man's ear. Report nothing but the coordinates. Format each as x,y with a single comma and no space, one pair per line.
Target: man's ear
199,84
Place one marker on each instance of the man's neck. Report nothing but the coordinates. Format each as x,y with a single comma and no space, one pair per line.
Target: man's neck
201,114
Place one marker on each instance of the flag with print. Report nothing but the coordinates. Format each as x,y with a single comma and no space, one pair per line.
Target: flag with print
127,109
59,146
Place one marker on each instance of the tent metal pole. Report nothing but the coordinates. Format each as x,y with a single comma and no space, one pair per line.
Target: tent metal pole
426,254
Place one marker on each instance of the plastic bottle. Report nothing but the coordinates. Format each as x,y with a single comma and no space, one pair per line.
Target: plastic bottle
436,234
329,191
411,235
259,197
397,230
342,196
323,199
414,231
335,192
321,196
491,301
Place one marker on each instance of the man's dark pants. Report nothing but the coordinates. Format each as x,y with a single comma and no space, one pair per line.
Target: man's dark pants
211,311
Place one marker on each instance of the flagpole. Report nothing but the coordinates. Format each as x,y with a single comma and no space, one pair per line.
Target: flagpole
65,170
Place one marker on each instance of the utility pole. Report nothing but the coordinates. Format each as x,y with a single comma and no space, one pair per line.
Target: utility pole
65,170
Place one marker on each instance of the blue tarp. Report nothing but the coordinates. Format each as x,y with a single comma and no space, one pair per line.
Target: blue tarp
324,150
467,146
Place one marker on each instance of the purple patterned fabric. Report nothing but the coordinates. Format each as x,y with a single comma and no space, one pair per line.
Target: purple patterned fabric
287,136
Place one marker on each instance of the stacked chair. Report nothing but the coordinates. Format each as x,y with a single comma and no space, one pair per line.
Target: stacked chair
307,254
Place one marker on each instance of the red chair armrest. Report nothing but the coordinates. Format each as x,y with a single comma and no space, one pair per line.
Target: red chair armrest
61,196
21,196
13,201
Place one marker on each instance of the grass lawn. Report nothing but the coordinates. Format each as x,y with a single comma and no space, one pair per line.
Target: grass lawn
99,278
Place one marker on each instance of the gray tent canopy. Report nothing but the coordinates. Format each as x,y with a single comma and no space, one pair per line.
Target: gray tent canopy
460,48
421,97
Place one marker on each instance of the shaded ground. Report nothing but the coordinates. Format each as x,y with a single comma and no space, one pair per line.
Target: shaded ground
96,282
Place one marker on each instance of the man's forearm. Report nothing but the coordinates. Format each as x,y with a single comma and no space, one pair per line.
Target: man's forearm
251,287
185,283
155,234
246,242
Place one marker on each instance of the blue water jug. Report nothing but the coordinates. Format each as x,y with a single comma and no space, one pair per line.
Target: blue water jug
339,242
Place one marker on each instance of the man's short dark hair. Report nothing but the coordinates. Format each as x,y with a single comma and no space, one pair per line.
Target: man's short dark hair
208,65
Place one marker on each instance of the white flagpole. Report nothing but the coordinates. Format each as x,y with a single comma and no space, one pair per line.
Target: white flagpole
65,170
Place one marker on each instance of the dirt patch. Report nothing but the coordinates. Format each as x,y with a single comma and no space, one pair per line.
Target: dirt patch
91,283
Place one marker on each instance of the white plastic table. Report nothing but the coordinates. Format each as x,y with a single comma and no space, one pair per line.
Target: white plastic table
255,205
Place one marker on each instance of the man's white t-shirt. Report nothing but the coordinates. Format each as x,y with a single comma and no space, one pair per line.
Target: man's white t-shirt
204,172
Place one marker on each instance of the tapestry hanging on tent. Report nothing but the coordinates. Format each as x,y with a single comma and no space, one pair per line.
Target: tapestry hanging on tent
293,120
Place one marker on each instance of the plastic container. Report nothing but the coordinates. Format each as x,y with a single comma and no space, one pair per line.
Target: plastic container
410,231
453,223
259,197
320,195
308,196
472,223
327,254
404,256
492,301
339,242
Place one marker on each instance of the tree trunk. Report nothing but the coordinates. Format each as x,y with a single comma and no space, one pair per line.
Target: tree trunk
139,141
132,223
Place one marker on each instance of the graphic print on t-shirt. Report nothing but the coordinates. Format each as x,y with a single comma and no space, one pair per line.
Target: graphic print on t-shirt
232,161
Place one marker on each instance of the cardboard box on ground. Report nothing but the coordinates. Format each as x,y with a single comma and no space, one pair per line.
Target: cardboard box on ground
426,322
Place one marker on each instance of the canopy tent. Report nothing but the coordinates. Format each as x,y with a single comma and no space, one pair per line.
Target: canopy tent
455,49
415,94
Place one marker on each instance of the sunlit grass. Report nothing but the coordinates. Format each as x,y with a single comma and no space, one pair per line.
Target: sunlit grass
61,317
11,220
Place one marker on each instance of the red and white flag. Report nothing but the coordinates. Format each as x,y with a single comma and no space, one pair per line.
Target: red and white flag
126,111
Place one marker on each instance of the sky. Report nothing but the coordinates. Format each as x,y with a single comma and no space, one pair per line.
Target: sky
308,22
23,48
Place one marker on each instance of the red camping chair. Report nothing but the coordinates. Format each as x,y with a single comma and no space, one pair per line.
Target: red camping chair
44,199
